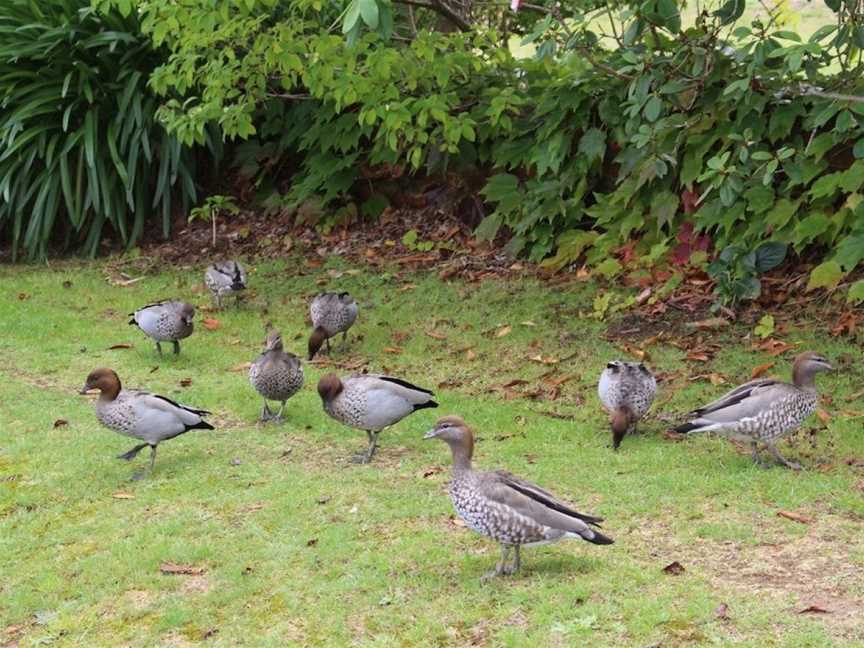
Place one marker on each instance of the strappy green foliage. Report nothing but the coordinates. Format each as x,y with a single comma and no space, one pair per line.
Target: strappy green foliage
79,145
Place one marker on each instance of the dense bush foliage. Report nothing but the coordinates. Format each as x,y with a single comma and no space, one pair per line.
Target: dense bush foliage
79,143
622,125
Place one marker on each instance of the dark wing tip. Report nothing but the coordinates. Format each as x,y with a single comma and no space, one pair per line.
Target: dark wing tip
600,539
405,383
685,428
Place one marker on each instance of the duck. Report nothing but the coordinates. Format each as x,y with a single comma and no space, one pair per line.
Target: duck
276,374
626,390
225,278
505,508
764,410
332,313
371,402
164,321
142,415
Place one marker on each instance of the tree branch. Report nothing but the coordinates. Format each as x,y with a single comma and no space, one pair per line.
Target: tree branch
441,9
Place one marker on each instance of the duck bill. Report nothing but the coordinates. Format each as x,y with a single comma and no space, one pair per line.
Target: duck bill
431,434
85,390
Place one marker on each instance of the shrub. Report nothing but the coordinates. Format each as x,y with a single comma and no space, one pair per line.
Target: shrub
79,145
747,133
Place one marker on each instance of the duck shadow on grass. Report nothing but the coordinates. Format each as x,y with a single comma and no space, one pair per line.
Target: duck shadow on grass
558,564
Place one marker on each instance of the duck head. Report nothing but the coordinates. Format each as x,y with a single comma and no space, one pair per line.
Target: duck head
316,340
455,433
329,387
806,366
273,341
620,421
237,282
187,313
105,380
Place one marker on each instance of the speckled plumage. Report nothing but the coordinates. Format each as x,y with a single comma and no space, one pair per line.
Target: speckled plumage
628,384
627,390
165,321
276,374
334,312
505,508
225,278
763,410
331,314
140,414
371,402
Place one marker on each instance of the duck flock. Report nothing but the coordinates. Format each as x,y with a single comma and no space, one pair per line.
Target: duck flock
497,504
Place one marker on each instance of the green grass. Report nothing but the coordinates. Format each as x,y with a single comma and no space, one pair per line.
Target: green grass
300,547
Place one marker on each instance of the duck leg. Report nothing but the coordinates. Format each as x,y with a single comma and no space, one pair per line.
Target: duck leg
278,416
159,348
366,457
757,458
513,567
776,453
138,475
344,340
501,566
266,414
176,344
129,456
328,346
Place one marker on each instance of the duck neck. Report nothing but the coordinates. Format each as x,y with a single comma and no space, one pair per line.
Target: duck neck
803,379
461,458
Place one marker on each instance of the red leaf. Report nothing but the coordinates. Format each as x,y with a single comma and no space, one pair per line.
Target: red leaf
210,323
795,517
814,609
760,370
674,568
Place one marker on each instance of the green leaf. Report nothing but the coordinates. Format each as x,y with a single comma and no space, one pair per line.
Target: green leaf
503,188
653,108
858,149
609,268
488,227
571,244
731,11
856,292
593,144
825,275
765,327
759,198
369,13
769,255
352,15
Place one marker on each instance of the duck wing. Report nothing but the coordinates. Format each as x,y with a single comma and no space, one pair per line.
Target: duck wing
531,504
734,396
543,496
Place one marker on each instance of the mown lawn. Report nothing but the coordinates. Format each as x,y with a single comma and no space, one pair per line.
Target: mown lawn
293,545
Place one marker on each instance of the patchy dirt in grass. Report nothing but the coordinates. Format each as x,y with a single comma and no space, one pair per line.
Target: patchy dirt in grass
816,569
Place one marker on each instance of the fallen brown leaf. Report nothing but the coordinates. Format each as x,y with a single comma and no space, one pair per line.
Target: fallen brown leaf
435,335
470,355
185,382
669,435
697,356
855,396
393,350
674,568
514,383
722,611
60,423
122,495
434,470
23,296
243,366
814,609
312,542
178,568
823,416
210,323
708,324
760,370
795,517
503,331
122,345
